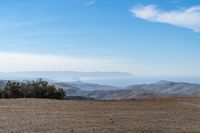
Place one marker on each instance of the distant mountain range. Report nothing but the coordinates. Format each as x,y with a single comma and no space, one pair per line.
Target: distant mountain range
91,86
156,90
105,92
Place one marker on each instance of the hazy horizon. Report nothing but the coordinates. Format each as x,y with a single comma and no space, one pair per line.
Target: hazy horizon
118,79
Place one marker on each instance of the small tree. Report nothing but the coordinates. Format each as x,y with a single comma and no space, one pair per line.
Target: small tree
1,93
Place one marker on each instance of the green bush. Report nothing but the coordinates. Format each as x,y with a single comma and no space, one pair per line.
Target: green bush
34,89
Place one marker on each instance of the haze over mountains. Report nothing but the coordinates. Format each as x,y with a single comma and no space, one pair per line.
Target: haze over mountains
78,84
119,79
142,91
72,76
155,90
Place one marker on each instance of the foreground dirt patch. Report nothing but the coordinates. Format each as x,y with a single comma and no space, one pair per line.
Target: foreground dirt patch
180,115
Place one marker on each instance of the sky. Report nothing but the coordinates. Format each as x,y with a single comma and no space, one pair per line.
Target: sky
143,37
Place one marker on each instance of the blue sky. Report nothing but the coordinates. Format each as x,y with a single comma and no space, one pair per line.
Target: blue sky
138,36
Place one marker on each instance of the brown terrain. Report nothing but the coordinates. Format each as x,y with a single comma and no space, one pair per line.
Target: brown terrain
176,115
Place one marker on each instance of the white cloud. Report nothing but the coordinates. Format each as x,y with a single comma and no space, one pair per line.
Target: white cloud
187,18
10,62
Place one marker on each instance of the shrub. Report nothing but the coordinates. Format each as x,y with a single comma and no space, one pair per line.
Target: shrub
34,89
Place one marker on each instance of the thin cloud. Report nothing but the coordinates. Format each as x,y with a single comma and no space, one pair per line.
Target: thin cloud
85,2
188,18
89,3
33,62
175,2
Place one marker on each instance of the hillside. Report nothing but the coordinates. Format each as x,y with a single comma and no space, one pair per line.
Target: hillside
170,88
156,90
92,87
70,90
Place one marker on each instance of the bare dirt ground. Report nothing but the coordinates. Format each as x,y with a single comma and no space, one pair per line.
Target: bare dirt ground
178,115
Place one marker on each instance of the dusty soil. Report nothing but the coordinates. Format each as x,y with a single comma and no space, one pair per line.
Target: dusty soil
178,115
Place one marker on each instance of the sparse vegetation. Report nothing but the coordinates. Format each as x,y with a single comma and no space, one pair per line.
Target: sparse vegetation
33,89
174,115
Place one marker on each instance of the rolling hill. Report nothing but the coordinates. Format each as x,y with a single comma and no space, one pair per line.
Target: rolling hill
170,88
156,90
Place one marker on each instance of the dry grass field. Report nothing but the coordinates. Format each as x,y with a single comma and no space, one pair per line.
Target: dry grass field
178,115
